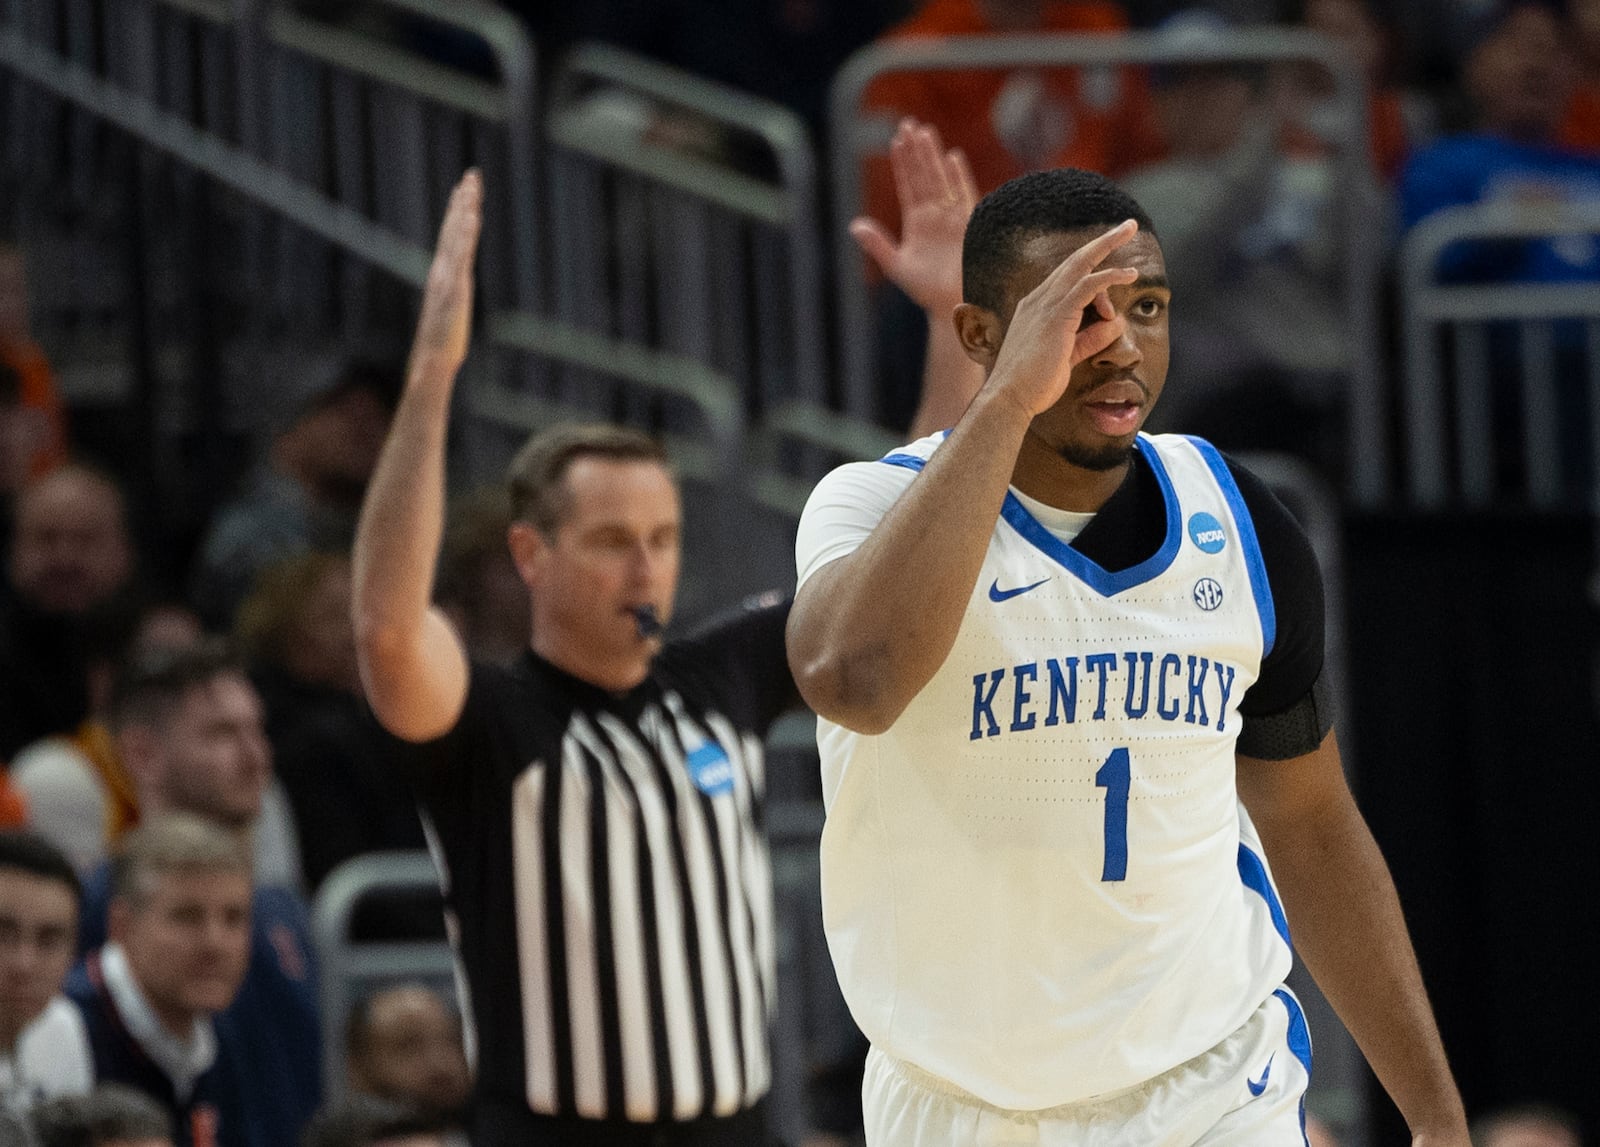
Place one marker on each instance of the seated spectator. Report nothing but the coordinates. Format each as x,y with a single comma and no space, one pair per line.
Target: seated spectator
44,1050
362,1121
478,586
179,945
296,631
1526,1125
1519,77
78,793
307,495
189,728
24,433
23,357
403,1044
110,1116
70,569
1580,129
1008,123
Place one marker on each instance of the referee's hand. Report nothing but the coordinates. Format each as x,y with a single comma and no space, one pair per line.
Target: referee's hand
445,325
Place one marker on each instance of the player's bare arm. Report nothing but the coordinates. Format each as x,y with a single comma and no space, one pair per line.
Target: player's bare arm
937,193
412,663
870,630
1348,927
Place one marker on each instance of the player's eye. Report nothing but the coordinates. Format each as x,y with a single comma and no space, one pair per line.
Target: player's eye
1149,307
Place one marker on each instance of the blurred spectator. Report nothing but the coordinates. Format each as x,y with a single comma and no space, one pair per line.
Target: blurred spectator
24,432
1526,1125
189,728
1008,123
1250,227
70,569
35,382
296,631
44,1051
478,586
307,495
79,793
1396,123
1580,130
1520,75
403,1044
110,1116
362,1121
179,945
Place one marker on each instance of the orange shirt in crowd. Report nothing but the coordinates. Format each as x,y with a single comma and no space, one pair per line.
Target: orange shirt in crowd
13,808
36,387
1581,129
1009,123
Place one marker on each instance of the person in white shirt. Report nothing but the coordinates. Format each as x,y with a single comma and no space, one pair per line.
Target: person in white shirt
44,1051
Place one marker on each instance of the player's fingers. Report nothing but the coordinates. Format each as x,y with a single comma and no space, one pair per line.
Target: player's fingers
1072,296
927,168
961,173
1086,258
1103,307
899,164
875,241
1096,337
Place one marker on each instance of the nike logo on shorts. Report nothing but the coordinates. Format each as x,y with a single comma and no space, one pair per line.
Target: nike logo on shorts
998,594
1257,1086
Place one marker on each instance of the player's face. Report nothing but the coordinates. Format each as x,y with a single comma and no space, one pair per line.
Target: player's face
38,927
617,549
1111,394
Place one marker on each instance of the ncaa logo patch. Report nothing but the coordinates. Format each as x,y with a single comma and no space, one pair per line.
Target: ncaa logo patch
1206,533
1207,594
711,769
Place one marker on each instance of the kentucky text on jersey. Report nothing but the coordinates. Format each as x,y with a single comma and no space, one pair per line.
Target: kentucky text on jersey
1135,684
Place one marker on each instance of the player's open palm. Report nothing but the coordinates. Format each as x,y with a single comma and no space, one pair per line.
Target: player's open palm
445,325
937,194
1049,334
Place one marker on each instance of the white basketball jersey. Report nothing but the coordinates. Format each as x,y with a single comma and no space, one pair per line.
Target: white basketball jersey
1039,884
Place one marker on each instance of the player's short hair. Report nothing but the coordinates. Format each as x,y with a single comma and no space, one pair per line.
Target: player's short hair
1039,203
176,843
152,684
536,478
108,1114
32,854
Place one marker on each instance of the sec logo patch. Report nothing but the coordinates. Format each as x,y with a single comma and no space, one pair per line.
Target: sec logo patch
1207,594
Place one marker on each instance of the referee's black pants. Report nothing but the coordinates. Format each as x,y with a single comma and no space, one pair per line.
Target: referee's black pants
505,1125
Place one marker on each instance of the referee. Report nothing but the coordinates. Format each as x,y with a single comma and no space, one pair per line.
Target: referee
595,808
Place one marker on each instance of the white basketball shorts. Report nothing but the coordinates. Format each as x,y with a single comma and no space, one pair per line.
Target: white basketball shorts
1248,1091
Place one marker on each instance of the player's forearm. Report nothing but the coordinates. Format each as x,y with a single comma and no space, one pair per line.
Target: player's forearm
1349,929
870,630
949,377
402,519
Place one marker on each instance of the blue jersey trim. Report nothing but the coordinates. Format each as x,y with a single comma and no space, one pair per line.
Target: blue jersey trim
1091,573
1259,586
1299,1034
1254,874
909,461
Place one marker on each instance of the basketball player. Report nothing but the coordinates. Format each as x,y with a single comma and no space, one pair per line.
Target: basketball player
1075,739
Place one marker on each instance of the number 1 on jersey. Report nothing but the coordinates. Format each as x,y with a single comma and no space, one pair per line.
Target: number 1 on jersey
1115,777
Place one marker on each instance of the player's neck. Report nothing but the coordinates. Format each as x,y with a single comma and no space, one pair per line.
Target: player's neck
1046,476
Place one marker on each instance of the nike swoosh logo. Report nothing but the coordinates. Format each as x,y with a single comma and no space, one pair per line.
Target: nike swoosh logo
1257,1086
998,594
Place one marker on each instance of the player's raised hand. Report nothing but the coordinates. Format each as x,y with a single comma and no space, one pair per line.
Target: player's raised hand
1048,336
937,194
445,325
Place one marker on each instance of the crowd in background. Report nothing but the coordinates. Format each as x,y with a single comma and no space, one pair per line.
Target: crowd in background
173,799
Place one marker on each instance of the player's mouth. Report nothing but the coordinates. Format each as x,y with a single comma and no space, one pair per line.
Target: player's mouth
1116,408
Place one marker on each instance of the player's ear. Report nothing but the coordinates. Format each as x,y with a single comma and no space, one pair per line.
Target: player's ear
530,550
979,331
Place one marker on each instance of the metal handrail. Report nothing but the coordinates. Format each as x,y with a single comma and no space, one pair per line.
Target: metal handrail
1426,303
1367,441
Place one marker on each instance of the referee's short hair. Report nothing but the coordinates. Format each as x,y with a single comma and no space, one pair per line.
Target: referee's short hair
175,842
536,478
1039,203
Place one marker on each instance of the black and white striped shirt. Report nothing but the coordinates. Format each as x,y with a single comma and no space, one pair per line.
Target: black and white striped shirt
607,870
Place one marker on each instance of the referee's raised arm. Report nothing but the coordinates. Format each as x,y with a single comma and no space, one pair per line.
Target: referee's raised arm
412,662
